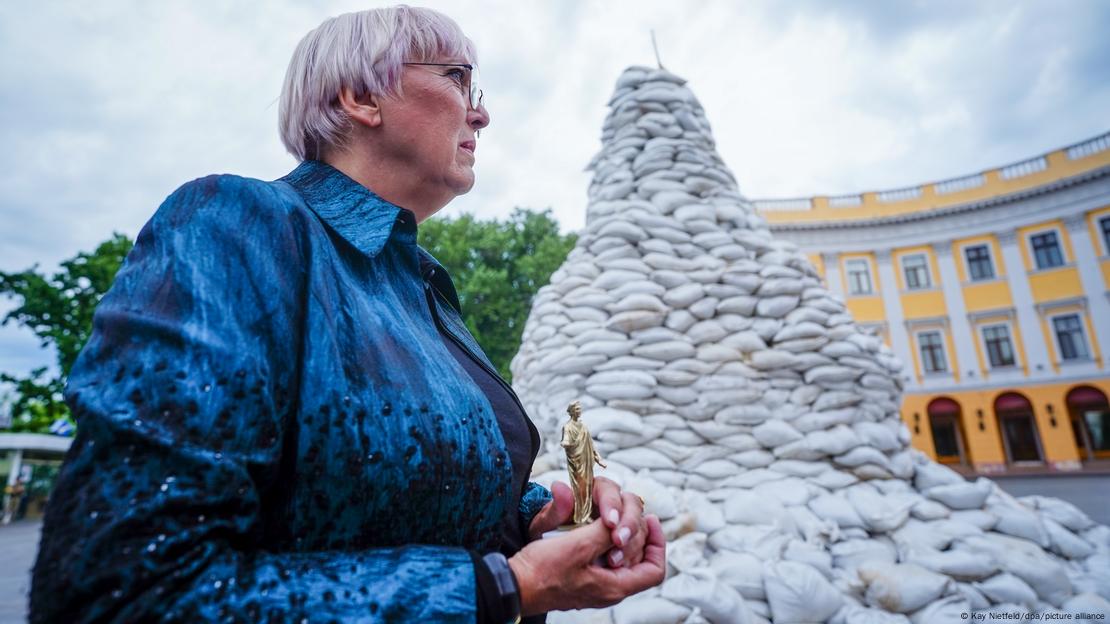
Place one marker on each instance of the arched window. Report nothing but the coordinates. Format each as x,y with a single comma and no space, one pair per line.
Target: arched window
946,423
1090,422
1019,429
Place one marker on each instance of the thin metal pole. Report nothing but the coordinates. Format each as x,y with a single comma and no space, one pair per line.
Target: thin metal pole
656,48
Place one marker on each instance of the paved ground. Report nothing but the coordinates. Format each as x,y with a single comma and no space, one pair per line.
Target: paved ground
19,541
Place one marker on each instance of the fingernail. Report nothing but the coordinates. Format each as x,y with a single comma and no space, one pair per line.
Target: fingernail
623,535
618,557
614,517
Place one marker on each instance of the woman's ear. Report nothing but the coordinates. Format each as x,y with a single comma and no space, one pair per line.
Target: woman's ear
363,109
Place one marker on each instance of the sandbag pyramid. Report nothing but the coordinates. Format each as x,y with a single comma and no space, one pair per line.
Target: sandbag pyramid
724,383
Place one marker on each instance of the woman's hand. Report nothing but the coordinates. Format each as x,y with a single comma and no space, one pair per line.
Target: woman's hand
561,573
621,512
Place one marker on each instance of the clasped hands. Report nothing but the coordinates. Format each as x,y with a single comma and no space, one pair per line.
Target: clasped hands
561,573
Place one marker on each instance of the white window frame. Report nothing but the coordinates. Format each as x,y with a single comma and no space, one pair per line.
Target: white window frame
986,350
943,351
1082,333
848,277
928,271
990,257
1102,238
1059,242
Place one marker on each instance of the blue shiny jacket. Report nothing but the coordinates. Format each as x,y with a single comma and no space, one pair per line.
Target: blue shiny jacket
270,427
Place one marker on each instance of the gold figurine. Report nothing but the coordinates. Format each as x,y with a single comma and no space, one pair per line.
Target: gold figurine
581,456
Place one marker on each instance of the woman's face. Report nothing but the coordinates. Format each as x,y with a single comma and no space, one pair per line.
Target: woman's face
431,129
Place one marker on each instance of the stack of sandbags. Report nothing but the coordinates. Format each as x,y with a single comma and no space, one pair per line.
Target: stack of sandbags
724,383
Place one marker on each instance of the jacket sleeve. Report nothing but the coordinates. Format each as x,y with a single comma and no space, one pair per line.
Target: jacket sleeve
534,499
183,397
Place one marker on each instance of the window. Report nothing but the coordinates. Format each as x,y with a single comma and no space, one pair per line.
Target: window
1104,225
859,277
932,352
917,272
999,349
1046,250
979,262
1069,335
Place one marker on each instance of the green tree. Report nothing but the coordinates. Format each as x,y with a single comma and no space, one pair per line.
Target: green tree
497,267
59,310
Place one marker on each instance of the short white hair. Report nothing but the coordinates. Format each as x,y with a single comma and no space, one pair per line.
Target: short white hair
364,51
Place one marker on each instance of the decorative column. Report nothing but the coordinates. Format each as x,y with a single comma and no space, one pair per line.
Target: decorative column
1036,353
892,307
957,312
832,274
1090,276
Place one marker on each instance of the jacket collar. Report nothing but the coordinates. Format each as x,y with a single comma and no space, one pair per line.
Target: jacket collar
364,219
352,210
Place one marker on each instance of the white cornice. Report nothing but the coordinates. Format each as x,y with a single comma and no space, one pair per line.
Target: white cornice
998,215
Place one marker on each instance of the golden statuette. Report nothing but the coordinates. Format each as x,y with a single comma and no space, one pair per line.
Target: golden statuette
581,456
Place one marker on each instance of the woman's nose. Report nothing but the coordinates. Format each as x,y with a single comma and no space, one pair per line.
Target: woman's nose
478,118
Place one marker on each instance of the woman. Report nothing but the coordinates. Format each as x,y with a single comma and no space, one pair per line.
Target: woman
282,416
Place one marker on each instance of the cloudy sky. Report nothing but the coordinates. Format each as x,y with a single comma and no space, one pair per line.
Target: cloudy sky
110,105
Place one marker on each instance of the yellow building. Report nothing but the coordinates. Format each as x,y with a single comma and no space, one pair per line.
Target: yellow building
994,290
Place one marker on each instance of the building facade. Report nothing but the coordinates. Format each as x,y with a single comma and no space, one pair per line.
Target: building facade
994,290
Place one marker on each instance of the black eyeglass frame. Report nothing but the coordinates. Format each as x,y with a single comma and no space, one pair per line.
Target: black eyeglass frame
474,95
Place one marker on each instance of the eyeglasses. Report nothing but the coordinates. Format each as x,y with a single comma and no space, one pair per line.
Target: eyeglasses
470,80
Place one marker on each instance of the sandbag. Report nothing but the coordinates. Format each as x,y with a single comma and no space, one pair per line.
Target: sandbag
901,588
701,589
798,593
741,571
962,495
1006,587
636,610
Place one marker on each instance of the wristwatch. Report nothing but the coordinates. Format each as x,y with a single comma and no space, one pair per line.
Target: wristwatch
506,585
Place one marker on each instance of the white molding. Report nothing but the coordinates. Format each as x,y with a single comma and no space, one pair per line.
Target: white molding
996,216
980,316
1044,308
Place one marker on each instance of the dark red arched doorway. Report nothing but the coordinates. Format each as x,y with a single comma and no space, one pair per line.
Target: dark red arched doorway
945,419
1090,421
1020,438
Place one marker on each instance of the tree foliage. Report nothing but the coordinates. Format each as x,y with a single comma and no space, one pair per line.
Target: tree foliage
497,267
59,310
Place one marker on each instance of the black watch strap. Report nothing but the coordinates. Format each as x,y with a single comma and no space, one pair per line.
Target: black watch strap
507,587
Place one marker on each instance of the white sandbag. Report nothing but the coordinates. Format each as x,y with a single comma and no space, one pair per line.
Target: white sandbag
763,541
949,609
643,457
960,564
878,513
931,474
1088,603
600,419
1018,520
1065,543
975,598
962,495
985,520
797,592
775,433
635,319
836,441
1068,515
751,508
650,610
1008,588
901,588
687,552
836,509
658,498
929,510
815,556
857,614
790,491
741,571
851,553
701,589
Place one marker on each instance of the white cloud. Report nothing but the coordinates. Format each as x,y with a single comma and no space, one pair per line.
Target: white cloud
111,105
